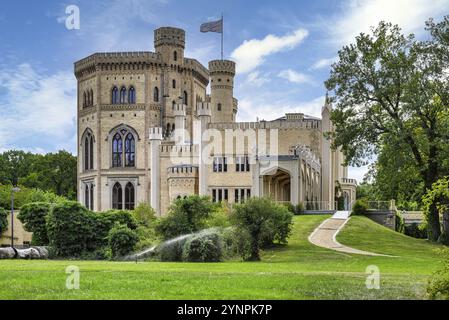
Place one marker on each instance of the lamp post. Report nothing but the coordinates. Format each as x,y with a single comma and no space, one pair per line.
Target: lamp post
15,189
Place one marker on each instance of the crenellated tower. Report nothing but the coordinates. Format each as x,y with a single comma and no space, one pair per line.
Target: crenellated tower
223,106
169,42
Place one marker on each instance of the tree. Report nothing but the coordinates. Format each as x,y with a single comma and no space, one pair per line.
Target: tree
122,240
33,217
264,221
15,164
389,85
437,199
3,220
186,216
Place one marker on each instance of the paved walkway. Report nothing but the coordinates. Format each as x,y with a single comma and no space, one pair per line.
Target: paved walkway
325,235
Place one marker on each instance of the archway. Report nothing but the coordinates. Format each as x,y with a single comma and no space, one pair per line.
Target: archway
277,185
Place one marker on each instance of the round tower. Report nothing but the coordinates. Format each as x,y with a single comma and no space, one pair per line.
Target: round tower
222,74
170,43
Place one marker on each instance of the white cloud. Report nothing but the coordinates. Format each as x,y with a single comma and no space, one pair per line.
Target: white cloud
249,108
256,79
323,63
251,53
36,108
294,76
362,14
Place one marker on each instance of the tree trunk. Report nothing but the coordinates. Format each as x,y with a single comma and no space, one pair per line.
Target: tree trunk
444,237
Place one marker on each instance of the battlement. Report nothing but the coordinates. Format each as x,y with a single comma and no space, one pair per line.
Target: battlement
179,110
169,36
155,133
203,109
294,116
184,170
222,67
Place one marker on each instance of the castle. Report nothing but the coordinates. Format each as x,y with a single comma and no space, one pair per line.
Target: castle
148,131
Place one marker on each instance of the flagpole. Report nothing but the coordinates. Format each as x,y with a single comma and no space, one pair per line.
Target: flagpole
222,32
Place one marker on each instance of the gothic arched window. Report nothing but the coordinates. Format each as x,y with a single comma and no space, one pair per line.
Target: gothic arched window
130,150
86,196
173,83
123,95
91,152
173,105
175,56
132,95
167,130
88,150
86,153
91,98
114,98
185,98
117,196
173,127
117,150
84,99
219,107
156,94
129,196
91,195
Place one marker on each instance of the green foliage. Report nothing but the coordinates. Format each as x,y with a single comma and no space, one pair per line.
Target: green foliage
416,230
144,214
438,285
436,201
33,216
265,221
205,246
122,240
360,207
399,223
25,196
54,172
70,229
392,97
185,216
3,220
171,250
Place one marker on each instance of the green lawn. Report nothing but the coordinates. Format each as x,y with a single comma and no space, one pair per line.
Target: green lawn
297,271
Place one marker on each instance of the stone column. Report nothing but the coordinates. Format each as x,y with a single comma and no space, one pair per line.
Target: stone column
294,184
155,142
204,114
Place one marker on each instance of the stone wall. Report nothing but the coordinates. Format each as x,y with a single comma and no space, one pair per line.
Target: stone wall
21,237
387,219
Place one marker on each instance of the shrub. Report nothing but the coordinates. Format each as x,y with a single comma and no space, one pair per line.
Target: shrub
399,223
70,229
185,216
3,220
171,250
219,217
265,221
438,285
236,242
144,215
360,207
122,240
299,208
25,196
205,246
33,216
416,230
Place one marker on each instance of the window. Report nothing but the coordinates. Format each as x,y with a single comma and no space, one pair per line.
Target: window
117,150
132,95
241,195
114,98
156,94
173,84
130,151
88,149
220,164
89,195
123,95
129,196
175,56
84,99
242,164
117,196
219,107
173,104
185,99
91,103
219,195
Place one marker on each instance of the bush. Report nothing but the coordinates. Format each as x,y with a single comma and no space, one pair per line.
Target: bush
299,208
185,216
399,223
3,220
144,215
416,230
265,221
33,216
122,240
236,243
438,286
206,246
360,207
25,196
71,230
219,216
171,250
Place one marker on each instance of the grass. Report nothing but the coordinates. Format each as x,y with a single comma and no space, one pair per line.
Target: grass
299,270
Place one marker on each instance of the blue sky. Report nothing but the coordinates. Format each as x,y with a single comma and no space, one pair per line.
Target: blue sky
283,50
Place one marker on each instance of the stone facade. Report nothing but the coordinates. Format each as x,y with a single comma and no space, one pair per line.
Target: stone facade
149,132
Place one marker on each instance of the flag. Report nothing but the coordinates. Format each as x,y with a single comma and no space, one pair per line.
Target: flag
213,26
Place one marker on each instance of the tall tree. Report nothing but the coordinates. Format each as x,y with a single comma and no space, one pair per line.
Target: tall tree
390,85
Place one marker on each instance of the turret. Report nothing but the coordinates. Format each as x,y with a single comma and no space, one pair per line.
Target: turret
170,43
223,106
